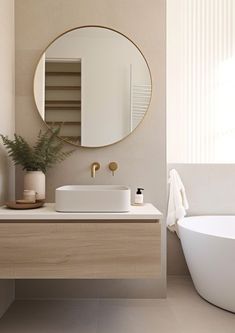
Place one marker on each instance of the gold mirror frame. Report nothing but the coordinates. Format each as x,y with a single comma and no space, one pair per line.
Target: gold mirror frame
118,32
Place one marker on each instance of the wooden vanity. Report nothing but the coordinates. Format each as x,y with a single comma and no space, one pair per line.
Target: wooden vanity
43,243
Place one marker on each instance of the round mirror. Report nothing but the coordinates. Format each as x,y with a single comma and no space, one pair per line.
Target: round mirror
95,83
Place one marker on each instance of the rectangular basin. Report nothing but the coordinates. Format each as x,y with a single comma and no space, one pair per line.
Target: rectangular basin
93,198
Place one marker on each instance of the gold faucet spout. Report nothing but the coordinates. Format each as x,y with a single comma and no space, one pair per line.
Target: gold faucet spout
94,167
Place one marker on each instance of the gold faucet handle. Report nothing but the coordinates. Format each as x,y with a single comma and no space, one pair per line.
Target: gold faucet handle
113,166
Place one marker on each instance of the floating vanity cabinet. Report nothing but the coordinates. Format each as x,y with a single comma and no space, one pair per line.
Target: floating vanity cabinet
45,244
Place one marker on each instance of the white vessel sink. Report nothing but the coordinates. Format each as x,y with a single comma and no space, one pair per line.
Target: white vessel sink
93,198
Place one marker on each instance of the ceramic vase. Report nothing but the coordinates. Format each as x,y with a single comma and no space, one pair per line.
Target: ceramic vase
35,180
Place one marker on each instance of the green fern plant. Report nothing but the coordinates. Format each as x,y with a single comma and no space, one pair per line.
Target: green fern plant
46,152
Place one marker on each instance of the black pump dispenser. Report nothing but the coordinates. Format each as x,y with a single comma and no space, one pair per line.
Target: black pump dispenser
139,190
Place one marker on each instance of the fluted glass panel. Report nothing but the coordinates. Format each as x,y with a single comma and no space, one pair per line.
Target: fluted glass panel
201,81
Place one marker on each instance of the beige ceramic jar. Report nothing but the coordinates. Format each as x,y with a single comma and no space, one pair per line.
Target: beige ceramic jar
35,180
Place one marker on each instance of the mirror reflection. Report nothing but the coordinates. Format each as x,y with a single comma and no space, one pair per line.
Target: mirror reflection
96,83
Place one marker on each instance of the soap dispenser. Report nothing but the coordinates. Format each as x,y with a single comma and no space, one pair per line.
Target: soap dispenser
139,197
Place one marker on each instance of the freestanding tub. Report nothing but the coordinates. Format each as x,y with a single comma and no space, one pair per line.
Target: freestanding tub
209,247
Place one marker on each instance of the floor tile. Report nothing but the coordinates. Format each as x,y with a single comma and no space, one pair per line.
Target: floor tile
136,316
50,317
192,313
184,311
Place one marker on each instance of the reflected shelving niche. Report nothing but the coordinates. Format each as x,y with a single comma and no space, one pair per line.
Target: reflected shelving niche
63,96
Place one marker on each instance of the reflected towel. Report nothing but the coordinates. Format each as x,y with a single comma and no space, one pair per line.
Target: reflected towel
178,203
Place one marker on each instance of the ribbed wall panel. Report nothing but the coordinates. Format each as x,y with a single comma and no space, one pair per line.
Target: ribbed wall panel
200,79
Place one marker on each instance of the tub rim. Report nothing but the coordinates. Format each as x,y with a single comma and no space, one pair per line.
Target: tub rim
181,225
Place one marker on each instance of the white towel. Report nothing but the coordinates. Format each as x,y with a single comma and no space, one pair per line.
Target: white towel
178,203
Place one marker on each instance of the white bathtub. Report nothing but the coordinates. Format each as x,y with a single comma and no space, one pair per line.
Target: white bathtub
209,247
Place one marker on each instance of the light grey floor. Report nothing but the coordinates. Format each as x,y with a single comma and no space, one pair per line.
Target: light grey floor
182,312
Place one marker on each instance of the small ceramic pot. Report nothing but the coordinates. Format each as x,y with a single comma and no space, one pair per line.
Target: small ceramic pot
36,181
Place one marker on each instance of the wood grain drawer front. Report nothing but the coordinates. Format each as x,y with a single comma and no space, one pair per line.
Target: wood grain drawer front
79,250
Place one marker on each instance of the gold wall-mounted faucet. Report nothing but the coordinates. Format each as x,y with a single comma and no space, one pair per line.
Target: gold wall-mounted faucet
113,166
95,166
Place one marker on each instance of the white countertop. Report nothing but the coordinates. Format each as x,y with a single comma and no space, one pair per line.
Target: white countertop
47,212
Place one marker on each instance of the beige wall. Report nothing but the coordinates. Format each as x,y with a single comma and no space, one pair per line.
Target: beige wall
141,156
7,121
210,188
7,100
